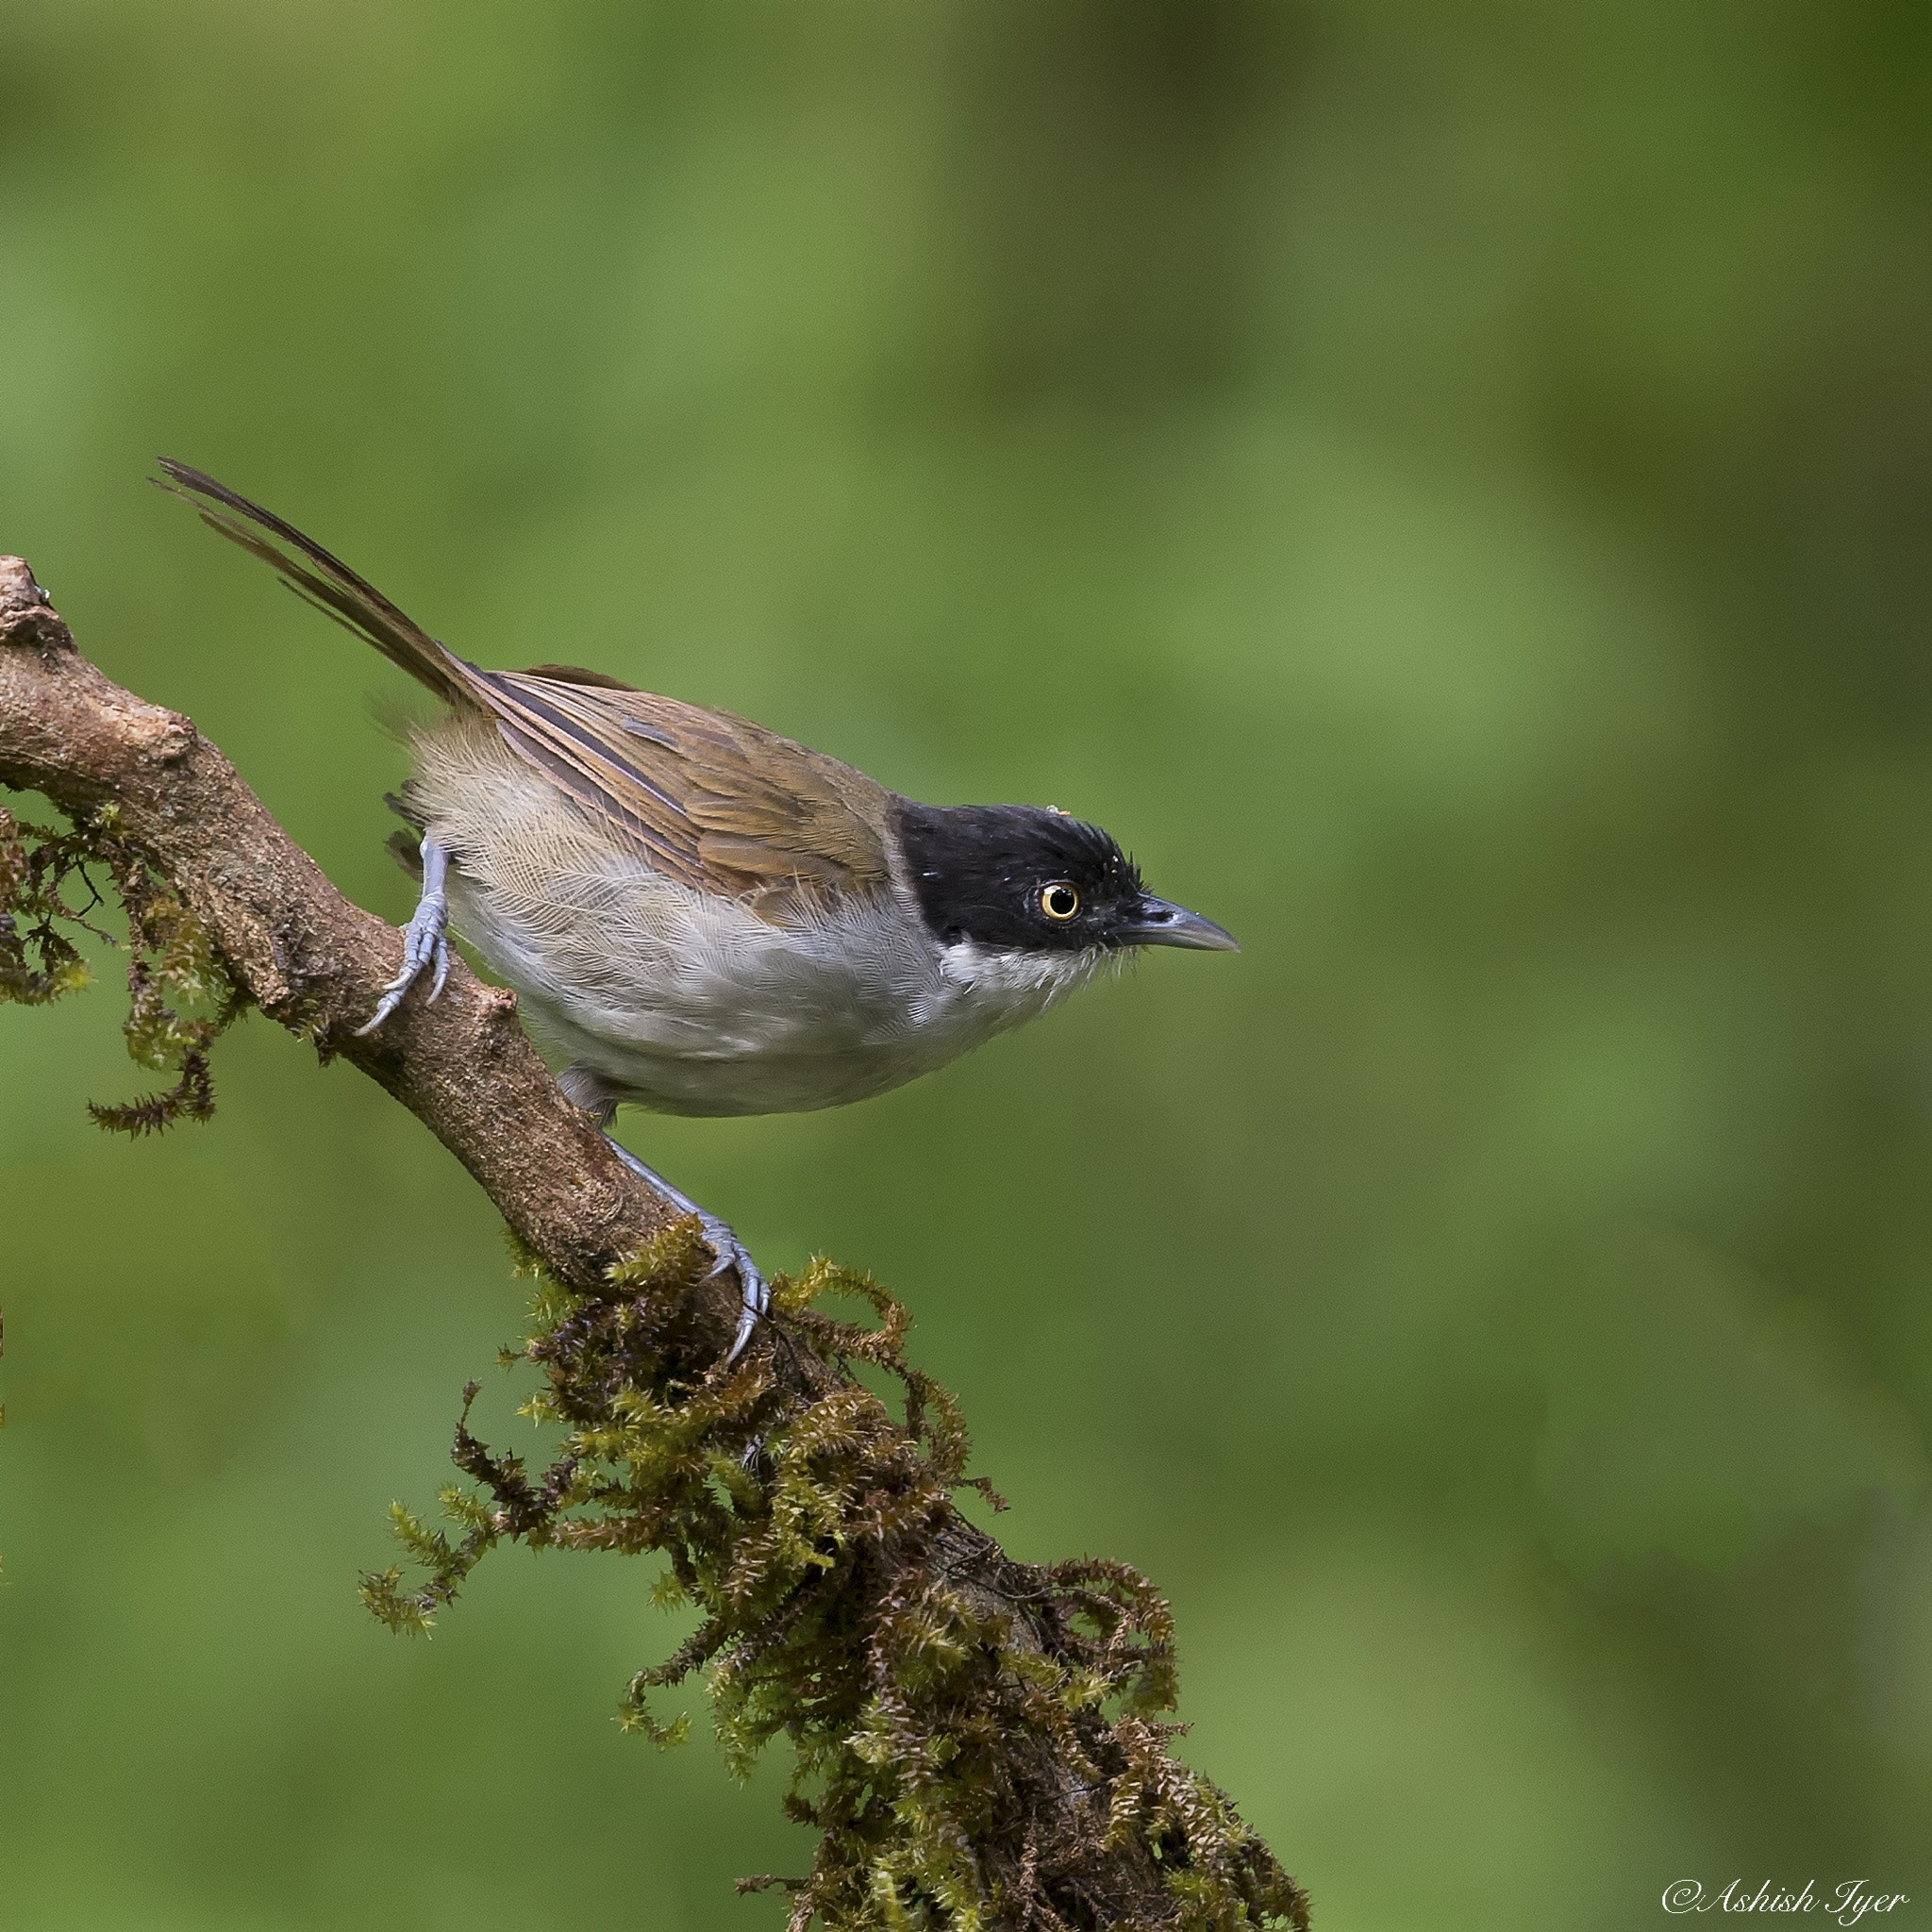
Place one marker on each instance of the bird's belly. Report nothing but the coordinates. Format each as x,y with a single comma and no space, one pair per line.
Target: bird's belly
690,1004
698,1050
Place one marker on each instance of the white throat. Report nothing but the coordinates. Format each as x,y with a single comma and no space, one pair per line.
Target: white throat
988,988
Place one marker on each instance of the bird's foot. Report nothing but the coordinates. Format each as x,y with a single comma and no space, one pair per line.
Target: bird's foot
426,939
723,1242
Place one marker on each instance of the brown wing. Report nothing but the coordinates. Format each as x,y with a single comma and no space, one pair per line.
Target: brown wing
711,800
715,801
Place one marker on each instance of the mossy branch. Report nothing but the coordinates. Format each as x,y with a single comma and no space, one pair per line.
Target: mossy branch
977,1741
171,960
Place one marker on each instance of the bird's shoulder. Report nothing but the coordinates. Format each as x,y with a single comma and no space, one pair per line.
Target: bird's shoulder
715,800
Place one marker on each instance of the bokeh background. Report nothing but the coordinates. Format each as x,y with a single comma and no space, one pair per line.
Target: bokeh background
1448,485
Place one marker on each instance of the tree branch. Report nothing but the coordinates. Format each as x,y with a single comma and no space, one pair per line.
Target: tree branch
1071,1816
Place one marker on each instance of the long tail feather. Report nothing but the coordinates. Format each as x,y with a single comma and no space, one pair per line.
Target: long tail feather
573,726
326,581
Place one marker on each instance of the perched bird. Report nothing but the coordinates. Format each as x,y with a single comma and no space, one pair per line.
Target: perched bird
702,917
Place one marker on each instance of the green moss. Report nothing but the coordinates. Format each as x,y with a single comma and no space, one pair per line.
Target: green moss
171,963
923,1721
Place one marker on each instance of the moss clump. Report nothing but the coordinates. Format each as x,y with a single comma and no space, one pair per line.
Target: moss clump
172,962
928,1720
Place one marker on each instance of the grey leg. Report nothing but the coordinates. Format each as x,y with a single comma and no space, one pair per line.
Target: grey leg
585,1088
730,1251
424,938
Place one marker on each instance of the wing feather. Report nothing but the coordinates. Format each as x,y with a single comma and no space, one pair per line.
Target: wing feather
723,802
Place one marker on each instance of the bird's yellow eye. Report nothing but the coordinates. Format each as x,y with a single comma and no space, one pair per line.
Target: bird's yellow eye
1059,901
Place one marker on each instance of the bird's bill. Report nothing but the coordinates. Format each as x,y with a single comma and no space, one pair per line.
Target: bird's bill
1159,923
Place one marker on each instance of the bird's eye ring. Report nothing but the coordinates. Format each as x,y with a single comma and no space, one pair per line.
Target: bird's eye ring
1059,900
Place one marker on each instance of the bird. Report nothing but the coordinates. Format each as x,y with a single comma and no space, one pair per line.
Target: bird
699,916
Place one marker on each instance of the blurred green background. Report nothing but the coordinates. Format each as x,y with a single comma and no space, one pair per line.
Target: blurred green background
1450,487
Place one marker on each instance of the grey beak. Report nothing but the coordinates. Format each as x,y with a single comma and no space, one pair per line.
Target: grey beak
1160,924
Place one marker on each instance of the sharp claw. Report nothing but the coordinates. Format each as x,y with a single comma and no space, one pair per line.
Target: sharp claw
442,969
391,999
731,1254
747,1320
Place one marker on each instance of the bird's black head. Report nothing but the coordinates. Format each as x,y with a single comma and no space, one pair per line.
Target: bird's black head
1022,878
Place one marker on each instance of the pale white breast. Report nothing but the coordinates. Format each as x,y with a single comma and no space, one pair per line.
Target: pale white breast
686,1001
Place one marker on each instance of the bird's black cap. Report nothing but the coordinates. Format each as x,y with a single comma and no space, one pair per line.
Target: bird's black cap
1023,878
